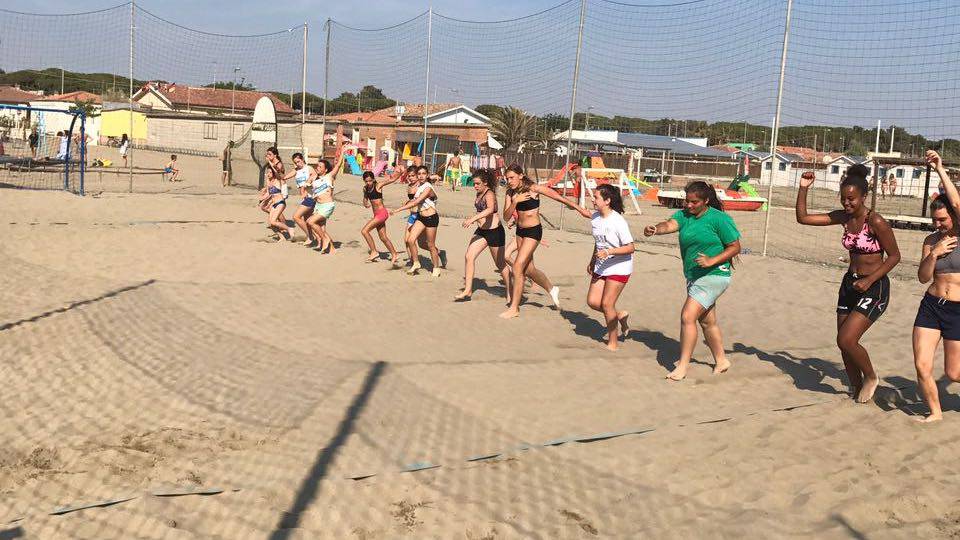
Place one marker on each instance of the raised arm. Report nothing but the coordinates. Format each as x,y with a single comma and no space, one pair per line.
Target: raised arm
949,188
416,201
551,193
338,163
833,218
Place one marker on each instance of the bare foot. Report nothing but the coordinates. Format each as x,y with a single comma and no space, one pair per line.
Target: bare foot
510,314
464,296
931,418
374,257
308,242
722,366
612,346
869,387
396,261
624,327
677,374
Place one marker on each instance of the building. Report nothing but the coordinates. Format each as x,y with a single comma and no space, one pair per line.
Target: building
649,145
15,123
172,97
115,122
48,123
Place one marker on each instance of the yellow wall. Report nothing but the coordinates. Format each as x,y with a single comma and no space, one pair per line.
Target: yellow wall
116,123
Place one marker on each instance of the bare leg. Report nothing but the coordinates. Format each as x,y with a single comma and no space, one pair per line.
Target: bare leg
300,218
848,340
502,268
611,292
476,246
413,238
277,222
382,232
689,315
524,257
853,373
365,232
431,234
711,334
925,342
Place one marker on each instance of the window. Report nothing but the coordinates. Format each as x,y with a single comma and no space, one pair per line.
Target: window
236,131
210,130
835,169
782,165
899,173
767,166
917,173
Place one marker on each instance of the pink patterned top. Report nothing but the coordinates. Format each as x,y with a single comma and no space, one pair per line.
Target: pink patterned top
863,242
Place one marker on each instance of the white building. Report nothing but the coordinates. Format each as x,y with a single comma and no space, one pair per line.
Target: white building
49,123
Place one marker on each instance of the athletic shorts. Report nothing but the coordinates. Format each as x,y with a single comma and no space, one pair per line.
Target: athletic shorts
707,289
167,170
939,314
325,209
224,162
614,277
309,202
381,215
281,202
870,303
535,232
412,218
495,237
430,221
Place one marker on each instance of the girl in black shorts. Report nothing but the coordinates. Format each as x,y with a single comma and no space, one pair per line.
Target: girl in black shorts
939,313
523,195
865,289
489,234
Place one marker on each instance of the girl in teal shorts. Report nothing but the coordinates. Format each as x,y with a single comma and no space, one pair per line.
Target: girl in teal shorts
709,240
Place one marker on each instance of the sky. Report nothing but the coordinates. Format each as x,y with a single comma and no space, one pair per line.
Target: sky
849,63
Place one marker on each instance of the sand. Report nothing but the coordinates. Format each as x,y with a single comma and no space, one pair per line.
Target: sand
151,342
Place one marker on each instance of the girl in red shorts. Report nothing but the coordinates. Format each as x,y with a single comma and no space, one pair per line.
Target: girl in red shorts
612,261
373,199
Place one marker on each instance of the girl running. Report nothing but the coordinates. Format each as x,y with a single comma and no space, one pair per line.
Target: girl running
523,196
709,240
865,289
373,198
304,177
427,223
323,196
612,261
277,203
939,314
489,234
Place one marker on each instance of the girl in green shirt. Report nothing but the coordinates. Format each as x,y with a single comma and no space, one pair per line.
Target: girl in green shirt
709,241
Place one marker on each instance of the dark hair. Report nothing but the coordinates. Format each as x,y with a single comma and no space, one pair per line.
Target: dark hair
940,204
857,178
326,165
173,156
705,191
422,168
296,155
526,182
273,150
612,194
487,177
368,174
123,138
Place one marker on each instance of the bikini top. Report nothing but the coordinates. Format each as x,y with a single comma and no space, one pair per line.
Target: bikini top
949,263
372,194
863,242
481,203
529,204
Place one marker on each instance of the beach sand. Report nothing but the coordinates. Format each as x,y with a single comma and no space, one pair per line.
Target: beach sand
151,342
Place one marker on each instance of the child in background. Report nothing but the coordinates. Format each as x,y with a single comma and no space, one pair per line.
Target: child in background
171,167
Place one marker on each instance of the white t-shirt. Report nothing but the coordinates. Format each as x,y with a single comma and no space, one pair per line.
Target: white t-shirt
428,202
62,152
322,184
609,233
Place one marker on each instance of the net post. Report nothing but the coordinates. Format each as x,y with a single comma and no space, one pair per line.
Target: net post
303,87
426,93
133,6
326,85
83,148
776,128
573,105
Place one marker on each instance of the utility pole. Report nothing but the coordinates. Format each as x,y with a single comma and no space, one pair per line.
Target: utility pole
776,125
133,5
573,105
233,95
61,80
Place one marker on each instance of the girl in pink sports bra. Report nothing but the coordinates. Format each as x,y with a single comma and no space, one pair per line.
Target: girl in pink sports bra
865,289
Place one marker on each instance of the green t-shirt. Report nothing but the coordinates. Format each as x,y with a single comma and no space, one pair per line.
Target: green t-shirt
708,234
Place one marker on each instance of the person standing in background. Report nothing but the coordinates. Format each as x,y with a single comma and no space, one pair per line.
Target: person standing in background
33,140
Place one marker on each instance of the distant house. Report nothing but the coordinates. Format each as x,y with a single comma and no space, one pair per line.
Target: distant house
48,123
15,123
649,145
160,96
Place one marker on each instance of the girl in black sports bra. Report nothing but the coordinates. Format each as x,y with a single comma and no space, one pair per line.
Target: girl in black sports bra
523,197
373,199
489,234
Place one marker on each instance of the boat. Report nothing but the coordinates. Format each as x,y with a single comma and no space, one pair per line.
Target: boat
733,201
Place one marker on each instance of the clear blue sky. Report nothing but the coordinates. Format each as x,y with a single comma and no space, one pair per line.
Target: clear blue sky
850,63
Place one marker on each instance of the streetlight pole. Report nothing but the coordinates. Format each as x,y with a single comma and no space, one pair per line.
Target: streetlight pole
233,95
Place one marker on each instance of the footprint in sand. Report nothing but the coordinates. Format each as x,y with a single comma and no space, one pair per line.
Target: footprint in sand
582,521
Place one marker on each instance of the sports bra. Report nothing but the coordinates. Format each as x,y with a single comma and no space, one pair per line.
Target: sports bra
321,185
529,204
372,194
302,176
481,203
949,263
409,196
863,242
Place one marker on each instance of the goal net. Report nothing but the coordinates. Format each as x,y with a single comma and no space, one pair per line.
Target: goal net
42,148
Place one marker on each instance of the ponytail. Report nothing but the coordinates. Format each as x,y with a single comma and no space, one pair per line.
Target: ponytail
706,192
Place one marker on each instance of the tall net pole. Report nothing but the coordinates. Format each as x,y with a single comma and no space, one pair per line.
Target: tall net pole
303,82
426,93
133,6
573,104
776,128
326,87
